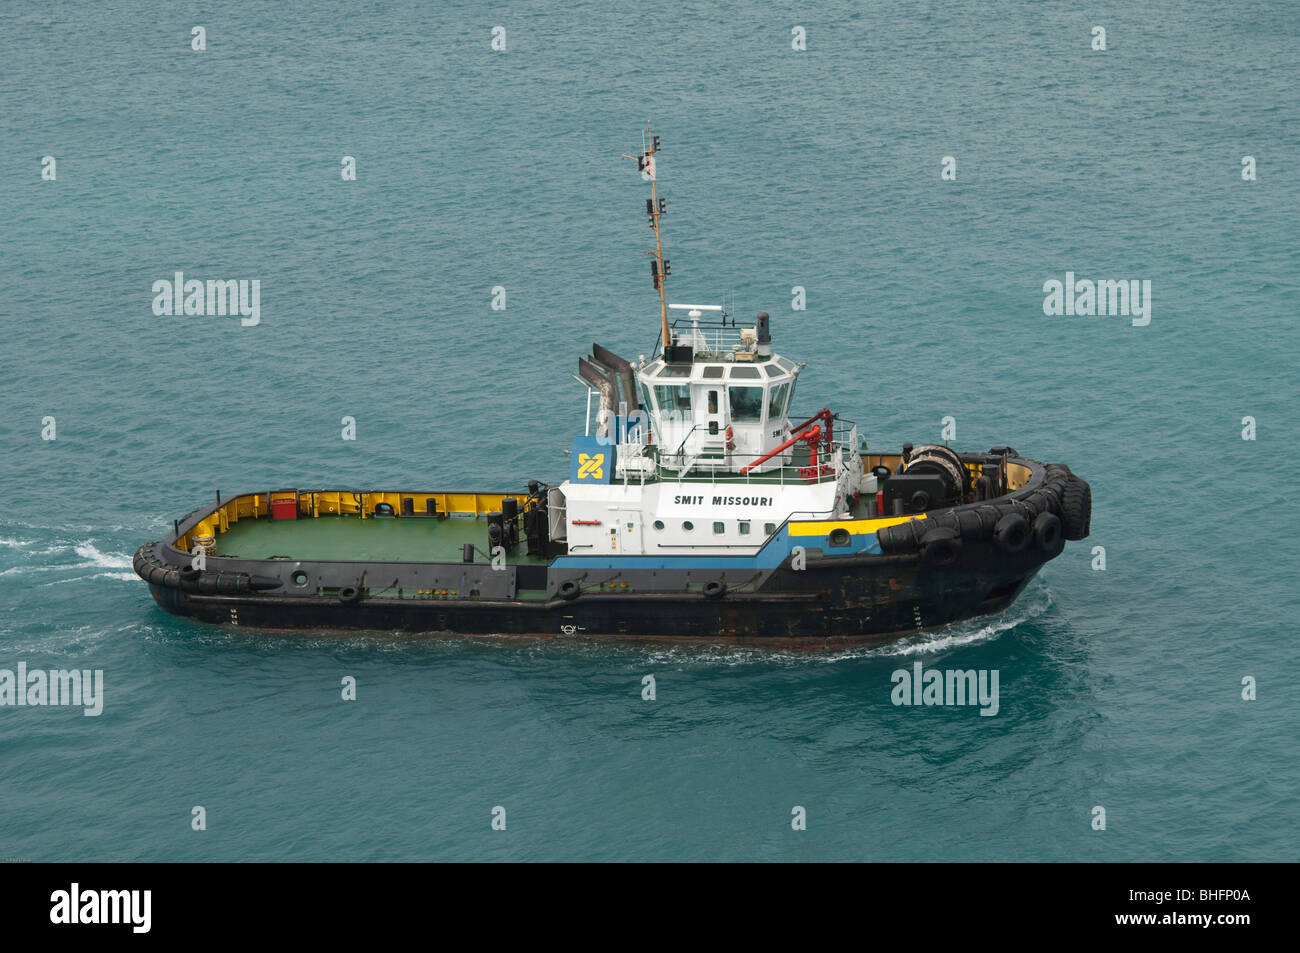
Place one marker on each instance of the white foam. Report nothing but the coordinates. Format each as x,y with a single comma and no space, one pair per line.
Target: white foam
88,551
969,632
128,576
22,570
1034,602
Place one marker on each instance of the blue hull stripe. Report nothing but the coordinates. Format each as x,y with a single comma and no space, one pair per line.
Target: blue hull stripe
773,554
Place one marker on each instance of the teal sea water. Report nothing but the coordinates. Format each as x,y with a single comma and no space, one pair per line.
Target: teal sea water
818,168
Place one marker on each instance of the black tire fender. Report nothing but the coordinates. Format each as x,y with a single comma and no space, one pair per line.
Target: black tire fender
715,589
1012,533
989,516
901,537
940,546
349,595
969,526
1076,509
1047,533
569,590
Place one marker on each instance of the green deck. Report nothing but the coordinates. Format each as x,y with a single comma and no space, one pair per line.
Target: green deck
349,538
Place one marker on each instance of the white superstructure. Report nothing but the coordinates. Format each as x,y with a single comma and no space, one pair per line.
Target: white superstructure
705,460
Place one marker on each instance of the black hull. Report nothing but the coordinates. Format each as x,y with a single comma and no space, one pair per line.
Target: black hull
854,599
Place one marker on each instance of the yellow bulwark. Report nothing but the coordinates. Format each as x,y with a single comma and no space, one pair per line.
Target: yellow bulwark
359,503
824,527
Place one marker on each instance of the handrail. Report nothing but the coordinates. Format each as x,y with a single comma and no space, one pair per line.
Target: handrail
839,451
811,436
681,446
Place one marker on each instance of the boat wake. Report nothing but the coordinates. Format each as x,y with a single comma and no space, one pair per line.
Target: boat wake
53,557
88,551
1033,602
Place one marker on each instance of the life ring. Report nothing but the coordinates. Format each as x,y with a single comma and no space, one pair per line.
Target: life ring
1011,533
715,589
731,438
569,590
349,595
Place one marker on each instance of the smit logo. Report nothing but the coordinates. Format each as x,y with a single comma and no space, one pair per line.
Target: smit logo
591,466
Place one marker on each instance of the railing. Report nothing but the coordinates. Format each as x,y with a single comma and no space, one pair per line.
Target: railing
679,452
707,341
676,466
669,468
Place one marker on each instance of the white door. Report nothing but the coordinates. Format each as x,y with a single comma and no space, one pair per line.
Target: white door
627,532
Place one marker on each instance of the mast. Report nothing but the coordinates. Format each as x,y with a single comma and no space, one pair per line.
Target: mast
654,206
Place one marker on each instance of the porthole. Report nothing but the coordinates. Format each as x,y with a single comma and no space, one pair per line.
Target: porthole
299,578
688,525
840,536
659,524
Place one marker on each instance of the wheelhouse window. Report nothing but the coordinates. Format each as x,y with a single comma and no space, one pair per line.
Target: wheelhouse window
776,402
746,404
673,401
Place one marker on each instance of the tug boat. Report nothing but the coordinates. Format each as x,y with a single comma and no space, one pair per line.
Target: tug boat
694,508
